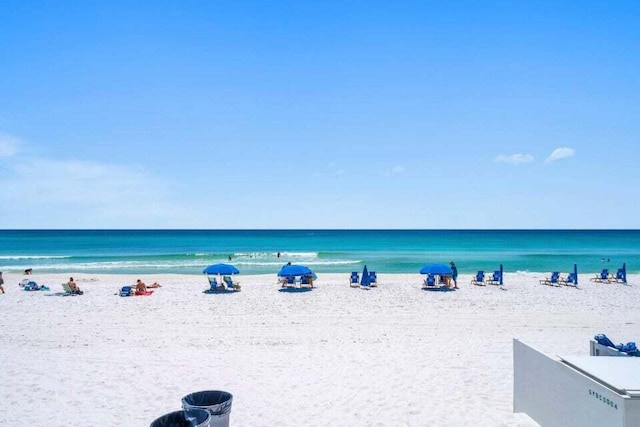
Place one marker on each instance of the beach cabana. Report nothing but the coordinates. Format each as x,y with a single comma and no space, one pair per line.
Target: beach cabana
296,278
219,276
438,276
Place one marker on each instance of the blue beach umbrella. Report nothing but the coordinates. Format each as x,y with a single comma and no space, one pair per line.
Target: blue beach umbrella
436,270
366,280
221,269
294,270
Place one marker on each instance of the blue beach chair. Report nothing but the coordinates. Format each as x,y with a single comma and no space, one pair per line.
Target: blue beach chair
553,280
430,280
571,280
307,281
621,275
126,291
354,279
478,279
495,278
373,279
602,277
229,284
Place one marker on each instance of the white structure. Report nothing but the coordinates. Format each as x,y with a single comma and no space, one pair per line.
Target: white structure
576,390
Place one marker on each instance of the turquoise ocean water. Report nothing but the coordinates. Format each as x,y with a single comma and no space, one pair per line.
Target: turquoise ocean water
255,251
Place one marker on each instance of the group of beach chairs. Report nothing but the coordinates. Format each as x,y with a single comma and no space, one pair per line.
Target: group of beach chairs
355,282
224,286
606,277
556,279
482,279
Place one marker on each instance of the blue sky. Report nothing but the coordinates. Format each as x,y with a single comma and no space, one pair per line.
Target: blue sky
346,114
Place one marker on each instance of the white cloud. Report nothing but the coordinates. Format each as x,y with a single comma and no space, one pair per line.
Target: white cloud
47,193
396,170
560,153
514,159
8,145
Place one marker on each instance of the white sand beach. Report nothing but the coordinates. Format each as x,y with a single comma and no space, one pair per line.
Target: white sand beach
391,356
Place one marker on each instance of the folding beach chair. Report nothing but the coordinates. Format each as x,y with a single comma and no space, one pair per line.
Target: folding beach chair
621,275
230,284
602,277
373,279
354,279
553,280
478,279
69,291
126,291
306,281
571,280
430,280
495,278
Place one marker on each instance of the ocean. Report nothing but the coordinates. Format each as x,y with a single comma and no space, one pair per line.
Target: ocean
336,251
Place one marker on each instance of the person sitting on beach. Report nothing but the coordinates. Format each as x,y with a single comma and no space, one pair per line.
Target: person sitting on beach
140,286
74,287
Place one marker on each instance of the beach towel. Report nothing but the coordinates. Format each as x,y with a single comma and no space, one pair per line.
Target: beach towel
142,294
630,348
602,339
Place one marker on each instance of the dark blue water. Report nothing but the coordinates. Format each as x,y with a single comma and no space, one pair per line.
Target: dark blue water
255,251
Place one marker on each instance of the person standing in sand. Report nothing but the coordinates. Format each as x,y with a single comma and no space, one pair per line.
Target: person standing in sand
1,282
454,274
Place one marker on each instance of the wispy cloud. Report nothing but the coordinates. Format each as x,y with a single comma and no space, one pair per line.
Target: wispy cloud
43,192
560,153
514,159
8,145
331,170
396,170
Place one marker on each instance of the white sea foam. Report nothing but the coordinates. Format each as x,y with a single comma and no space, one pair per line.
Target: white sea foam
34,256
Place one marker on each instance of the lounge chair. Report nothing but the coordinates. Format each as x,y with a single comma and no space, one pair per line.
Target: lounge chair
287,282
430,280
354,279
553,280
478,279
495,278
373,279
217,288
603,277
230,284
571,280
306,281
69,291
621,275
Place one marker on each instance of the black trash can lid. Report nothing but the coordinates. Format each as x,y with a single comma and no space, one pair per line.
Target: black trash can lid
183,418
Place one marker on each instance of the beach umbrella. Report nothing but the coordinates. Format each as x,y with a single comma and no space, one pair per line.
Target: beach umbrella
366,280
221,269
436,270
502,273
294,270
575,272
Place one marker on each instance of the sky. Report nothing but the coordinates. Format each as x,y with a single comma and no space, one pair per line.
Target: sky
332,114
